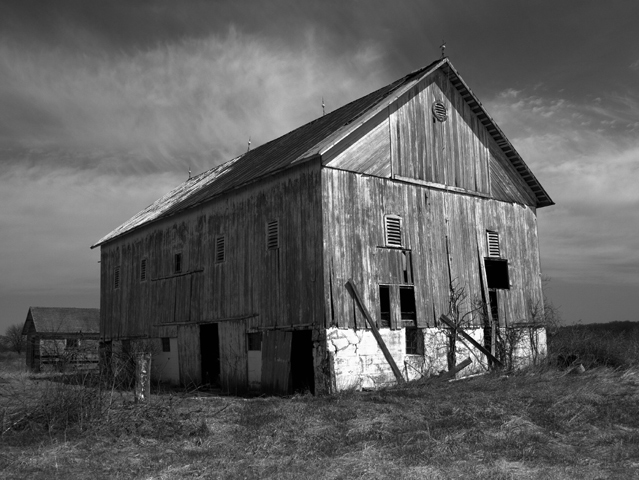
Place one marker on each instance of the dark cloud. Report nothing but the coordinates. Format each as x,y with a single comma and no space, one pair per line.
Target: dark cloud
104,106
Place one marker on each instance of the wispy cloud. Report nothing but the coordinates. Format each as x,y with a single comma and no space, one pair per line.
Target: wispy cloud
197,98
587,157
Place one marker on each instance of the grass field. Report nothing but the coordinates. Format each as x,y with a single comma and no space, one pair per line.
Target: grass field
539,423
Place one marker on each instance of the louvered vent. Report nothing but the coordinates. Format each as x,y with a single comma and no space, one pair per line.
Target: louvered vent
393,231
143,270
493,244
439,111
116,277
273,235
220,253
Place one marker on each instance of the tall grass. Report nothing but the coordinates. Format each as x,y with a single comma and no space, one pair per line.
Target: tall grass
595,345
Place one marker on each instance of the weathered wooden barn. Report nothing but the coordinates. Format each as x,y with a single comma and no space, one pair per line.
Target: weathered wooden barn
412,191
60,338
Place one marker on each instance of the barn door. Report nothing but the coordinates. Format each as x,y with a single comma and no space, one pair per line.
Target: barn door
276,361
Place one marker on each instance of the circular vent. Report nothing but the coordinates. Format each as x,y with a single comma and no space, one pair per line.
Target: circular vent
439,111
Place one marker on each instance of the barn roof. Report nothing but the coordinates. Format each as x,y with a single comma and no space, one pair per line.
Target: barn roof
309,141
54,320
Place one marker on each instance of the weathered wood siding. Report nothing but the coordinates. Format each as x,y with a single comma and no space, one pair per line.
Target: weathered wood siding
404,140
454,152
446,235
281,286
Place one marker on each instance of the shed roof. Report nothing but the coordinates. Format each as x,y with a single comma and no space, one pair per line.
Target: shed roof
309,141
54,320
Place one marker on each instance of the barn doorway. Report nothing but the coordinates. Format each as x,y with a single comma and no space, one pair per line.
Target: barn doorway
302,372
210,354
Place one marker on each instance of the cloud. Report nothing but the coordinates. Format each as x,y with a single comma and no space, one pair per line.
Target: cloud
589,166
196,99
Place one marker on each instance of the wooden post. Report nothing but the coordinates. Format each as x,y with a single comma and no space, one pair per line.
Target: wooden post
142,377
461,332
350,286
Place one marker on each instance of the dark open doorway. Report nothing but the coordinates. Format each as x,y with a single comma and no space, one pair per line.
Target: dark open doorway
302,373
210,354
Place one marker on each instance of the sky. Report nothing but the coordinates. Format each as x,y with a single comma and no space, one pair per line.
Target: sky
105,106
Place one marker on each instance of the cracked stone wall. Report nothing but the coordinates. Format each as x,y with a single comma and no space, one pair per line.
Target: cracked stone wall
358,362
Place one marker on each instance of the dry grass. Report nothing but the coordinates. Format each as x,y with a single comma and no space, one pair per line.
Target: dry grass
529,425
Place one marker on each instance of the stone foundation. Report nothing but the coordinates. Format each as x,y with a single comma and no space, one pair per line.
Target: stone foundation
358,362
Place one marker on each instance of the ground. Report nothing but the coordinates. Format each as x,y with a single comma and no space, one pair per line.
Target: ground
533,424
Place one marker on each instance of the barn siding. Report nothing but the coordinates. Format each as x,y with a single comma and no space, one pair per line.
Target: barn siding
445,232
283,286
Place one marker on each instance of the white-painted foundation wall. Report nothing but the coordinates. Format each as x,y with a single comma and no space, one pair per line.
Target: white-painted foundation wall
358,362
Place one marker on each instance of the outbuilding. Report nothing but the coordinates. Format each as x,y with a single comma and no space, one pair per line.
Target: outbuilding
60,338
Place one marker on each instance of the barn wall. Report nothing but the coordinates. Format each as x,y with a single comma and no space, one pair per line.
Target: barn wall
277,287
445,233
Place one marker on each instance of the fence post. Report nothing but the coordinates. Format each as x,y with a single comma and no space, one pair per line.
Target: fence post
142,377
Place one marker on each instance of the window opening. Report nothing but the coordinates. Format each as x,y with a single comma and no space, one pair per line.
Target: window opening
177,264
254,341
493,244
384,306
414,341
143,270
116,277
166,344
497,273
393,227
220,253
407,305
72,343
273,235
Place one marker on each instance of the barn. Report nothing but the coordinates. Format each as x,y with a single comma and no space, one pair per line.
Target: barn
412,195
61,338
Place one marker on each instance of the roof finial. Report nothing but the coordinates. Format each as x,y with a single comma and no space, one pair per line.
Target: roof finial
323,107
443,47
189,172
248,148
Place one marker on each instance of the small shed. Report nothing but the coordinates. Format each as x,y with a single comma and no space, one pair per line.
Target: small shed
59,338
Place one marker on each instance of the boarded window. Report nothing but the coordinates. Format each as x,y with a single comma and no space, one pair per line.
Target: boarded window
407,305
177,263
143,270
497,273
116,277
493,244
414,341
166,344
220,249
254,341
384,306
393,230
273,235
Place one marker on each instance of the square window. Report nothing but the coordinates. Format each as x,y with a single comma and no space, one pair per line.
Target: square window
414,341
497,273
166,344
254,341
72,343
